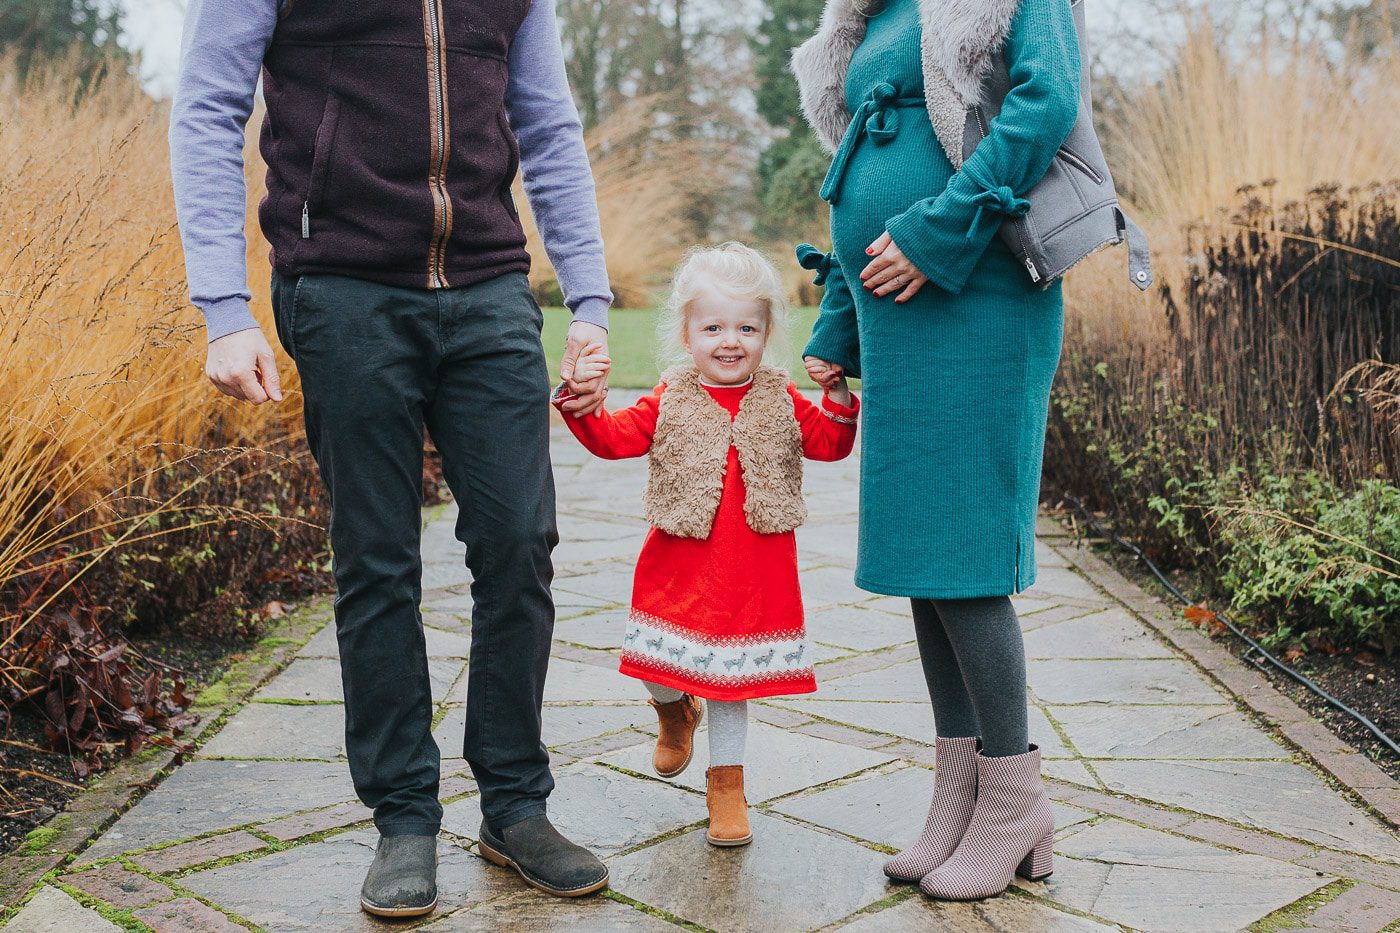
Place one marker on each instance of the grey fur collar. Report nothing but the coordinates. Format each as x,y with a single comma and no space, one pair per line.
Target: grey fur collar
958,40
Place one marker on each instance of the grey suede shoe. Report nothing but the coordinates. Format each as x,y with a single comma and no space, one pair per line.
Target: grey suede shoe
544,858
402,880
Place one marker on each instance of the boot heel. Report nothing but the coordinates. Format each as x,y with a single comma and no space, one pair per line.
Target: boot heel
1039,863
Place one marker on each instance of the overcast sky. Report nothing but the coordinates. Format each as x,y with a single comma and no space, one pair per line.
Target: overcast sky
153,29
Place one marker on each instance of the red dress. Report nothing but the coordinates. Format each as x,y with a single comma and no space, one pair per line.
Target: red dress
721,617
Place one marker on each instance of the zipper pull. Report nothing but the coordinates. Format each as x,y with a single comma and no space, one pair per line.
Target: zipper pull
1030,267
306,220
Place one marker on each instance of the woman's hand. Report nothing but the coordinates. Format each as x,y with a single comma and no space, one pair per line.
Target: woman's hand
890,271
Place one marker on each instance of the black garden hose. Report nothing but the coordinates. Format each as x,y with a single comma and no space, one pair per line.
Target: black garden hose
1257,654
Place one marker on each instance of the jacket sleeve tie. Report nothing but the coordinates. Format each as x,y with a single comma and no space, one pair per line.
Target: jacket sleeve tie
813,259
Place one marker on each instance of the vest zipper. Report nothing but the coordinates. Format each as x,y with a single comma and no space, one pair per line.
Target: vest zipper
1015,224
306,220
439,142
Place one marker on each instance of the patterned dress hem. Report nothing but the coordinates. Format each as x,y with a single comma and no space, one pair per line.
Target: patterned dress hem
686,683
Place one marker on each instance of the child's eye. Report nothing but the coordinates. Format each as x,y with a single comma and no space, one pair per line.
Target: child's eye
712,328
750,329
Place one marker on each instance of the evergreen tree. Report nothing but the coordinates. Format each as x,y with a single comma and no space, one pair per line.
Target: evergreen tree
38,30
790,169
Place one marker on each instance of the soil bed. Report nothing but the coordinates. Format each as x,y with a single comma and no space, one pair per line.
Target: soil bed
28,801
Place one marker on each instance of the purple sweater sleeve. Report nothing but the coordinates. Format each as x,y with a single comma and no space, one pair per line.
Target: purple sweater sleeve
558,181
221,57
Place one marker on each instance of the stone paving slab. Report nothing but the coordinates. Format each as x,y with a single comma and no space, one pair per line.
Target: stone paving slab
1150,880
1282,797
1361,909
1164,732
116,884
787,878
440,644
55,911
1003,915
602,630
186,915
206,796
317,886
915,720
540,913
176,857
1112,633
278,730
899,683
1174,810
318,680
563,725
779,762
859,629
1118,682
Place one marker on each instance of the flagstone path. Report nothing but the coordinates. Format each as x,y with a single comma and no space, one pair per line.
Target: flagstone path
1176,811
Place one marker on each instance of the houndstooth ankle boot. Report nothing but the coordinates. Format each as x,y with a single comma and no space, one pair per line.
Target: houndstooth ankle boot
954,794
1012,830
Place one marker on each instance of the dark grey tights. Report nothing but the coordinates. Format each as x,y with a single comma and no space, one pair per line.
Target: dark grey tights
975,663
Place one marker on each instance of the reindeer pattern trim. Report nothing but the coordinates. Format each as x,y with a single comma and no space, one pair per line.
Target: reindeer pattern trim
653,642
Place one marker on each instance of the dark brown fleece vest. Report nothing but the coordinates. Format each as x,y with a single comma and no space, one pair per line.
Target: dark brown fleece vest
389,153
690,450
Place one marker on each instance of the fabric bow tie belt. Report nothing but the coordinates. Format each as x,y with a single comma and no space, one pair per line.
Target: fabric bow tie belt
878,118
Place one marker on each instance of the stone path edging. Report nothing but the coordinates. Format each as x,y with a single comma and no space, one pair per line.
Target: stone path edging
95,808
1345,764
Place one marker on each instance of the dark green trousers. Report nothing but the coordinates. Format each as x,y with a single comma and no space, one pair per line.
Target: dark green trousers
377,364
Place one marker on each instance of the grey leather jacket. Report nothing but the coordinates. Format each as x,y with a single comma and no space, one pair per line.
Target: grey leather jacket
1074,209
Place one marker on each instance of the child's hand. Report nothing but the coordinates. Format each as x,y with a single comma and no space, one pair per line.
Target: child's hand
831,377
823,373
593,364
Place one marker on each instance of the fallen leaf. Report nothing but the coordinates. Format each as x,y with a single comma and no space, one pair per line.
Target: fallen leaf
1199,615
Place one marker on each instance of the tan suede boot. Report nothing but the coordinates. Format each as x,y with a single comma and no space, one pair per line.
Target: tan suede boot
729,809
675,739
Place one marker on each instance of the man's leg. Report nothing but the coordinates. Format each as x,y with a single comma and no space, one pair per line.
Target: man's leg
490,420
365,353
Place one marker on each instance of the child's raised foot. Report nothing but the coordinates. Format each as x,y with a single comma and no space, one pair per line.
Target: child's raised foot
675,739
729,809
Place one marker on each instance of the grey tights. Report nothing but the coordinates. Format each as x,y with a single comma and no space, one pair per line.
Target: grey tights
728,729
974,661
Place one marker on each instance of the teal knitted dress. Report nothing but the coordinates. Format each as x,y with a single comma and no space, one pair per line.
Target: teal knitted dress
955,382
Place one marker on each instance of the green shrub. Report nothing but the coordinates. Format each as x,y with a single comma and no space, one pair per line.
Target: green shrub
1315,557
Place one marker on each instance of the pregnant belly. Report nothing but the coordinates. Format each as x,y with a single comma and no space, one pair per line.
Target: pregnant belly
882,182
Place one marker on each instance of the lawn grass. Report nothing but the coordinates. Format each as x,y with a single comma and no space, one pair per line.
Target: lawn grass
632,344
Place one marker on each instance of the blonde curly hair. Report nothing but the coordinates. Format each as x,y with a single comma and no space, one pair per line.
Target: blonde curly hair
735,271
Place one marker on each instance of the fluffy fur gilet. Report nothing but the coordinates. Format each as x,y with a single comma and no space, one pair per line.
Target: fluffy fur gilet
690,449
958,41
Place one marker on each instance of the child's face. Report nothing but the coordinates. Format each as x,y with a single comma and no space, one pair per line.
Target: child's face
725,336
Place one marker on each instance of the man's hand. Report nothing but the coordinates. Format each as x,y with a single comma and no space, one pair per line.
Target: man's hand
584,338
241,364
891,271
